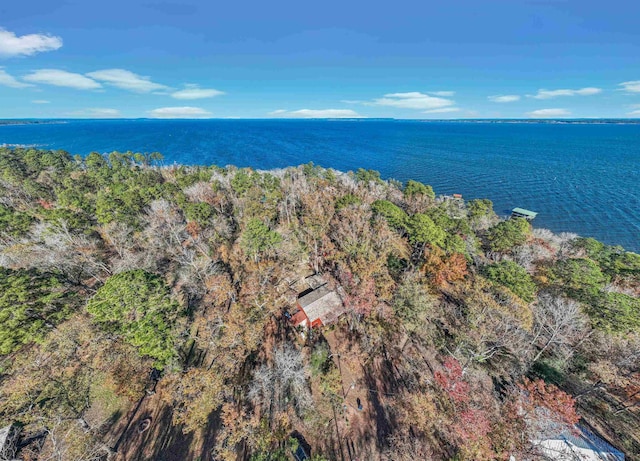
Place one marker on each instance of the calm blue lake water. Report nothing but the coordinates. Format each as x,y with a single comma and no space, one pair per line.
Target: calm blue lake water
582,178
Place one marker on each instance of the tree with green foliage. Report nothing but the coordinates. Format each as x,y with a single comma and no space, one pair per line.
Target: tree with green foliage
124,200
32,303
199,212
148,158
137,306
95,162
12,169
508,234
241,182
480,213
367,176
442,217
257,238
269,183
311,170
259,194
347,200
614,312
76,221
246,179
613,260
395,216
119,205
14,223
413,188
580,278
592,247
37,161
77,192
319,359
422,230
330,176
512,276
454,244
188,176
622,262
479,207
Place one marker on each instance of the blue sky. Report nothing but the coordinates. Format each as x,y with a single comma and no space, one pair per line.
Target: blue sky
295,59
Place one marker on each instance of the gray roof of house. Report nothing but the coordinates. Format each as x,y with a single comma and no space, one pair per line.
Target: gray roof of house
323,304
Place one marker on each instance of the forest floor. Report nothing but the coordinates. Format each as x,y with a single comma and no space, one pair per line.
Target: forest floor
365,422
147,433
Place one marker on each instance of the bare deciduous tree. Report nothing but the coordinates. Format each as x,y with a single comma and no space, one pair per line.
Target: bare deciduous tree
283,382
562,242
558,324
54,246
200,192
528,254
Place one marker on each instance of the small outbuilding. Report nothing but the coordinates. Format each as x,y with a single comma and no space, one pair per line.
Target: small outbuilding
522,213
318,307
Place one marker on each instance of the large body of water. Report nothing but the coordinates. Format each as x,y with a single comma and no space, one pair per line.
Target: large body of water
582,178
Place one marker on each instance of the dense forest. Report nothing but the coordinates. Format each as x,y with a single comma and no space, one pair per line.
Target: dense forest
144,315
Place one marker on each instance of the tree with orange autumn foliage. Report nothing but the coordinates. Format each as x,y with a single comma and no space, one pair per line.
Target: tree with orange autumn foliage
443,269
545,407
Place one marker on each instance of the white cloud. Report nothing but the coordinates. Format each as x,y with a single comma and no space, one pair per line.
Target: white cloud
40,101
179,112
412,100
195,92
442,93
62,78
26,45
315,113
635,112
10,80
96,112
543,113
504,98
631,87
548,94
127,80
442,110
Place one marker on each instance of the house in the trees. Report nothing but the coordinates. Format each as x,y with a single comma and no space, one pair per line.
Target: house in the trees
9,436
318,307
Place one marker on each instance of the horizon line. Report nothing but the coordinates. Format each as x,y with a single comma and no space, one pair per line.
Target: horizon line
330,118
